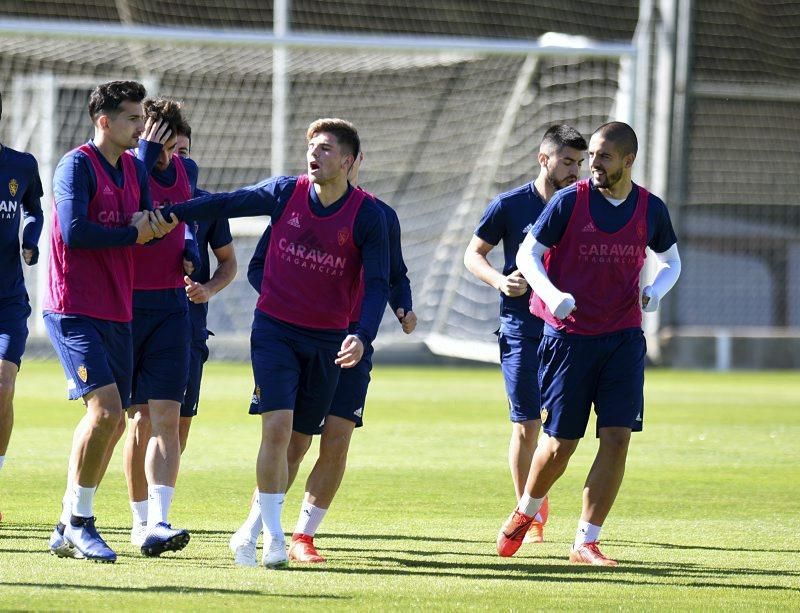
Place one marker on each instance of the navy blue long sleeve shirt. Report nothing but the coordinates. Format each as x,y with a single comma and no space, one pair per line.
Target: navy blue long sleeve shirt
74,186
270,197
20,197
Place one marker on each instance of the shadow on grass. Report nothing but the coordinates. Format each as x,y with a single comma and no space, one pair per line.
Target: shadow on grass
688,575
170,589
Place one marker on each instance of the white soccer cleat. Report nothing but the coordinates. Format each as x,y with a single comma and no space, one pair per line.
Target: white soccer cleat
275,554
243,549
138,534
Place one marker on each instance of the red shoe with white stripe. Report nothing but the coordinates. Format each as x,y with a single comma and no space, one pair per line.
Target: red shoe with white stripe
589,553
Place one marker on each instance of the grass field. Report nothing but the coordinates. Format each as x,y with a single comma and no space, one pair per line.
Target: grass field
707,517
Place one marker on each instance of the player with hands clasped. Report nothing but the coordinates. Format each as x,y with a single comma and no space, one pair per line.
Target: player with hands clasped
507,219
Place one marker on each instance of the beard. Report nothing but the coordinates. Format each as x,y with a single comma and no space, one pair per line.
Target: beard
558,184
609,181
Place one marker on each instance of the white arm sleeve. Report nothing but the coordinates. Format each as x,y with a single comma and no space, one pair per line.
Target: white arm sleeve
666,277
529,261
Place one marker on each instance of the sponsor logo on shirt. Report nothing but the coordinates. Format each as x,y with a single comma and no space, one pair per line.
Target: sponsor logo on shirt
13,186
589,227
107,191
311,258
611,253
342,235
8,209
112,218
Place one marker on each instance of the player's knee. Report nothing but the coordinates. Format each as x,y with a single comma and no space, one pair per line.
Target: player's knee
615,441
334,447
526,432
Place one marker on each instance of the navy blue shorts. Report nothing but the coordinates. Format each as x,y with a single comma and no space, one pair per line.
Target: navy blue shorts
292,372
350,398
161,341
93,353
198,355
519,360
606,371
14,330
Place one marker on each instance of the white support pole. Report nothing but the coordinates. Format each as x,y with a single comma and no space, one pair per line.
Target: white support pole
280,87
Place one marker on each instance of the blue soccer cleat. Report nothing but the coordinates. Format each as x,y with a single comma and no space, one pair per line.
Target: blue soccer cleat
59,546
162,537
81,534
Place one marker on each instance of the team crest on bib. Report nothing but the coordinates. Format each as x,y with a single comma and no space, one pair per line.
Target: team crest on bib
545,414
13,186
343,235
83,374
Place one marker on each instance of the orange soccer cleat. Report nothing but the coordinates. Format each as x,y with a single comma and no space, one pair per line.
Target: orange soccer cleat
536,532
509,539
302,550
589,553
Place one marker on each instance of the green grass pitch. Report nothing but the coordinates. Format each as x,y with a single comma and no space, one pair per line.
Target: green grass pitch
707,517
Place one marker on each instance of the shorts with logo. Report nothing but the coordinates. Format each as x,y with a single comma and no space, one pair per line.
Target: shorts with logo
578,371
93,353
161,341
14,330
519,361
293,370
349,401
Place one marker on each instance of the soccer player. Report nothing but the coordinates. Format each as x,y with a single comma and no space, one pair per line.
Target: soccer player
583,259
324,232
508,218
101,209
201,286
161,340
346,414
20,198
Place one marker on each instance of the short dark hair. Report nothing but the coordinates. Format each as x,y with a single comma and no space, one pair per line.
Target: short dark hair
562,135
106,98
185,130
344,131
621,134
166,109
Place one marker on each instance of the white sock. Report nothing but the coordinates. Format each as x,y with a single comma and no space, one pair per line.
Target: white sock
2,460
271,506
529,506
82,500
587,533
139,512
310,519
253,524
159,499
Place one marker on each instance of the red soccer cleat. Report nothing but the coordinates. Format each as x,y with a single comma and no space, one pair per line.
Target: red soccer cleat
302,550
509,539
536,531
589,553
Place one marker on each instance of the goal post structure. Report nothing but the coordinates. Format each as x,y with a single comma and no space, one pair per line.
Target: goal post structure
446,123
